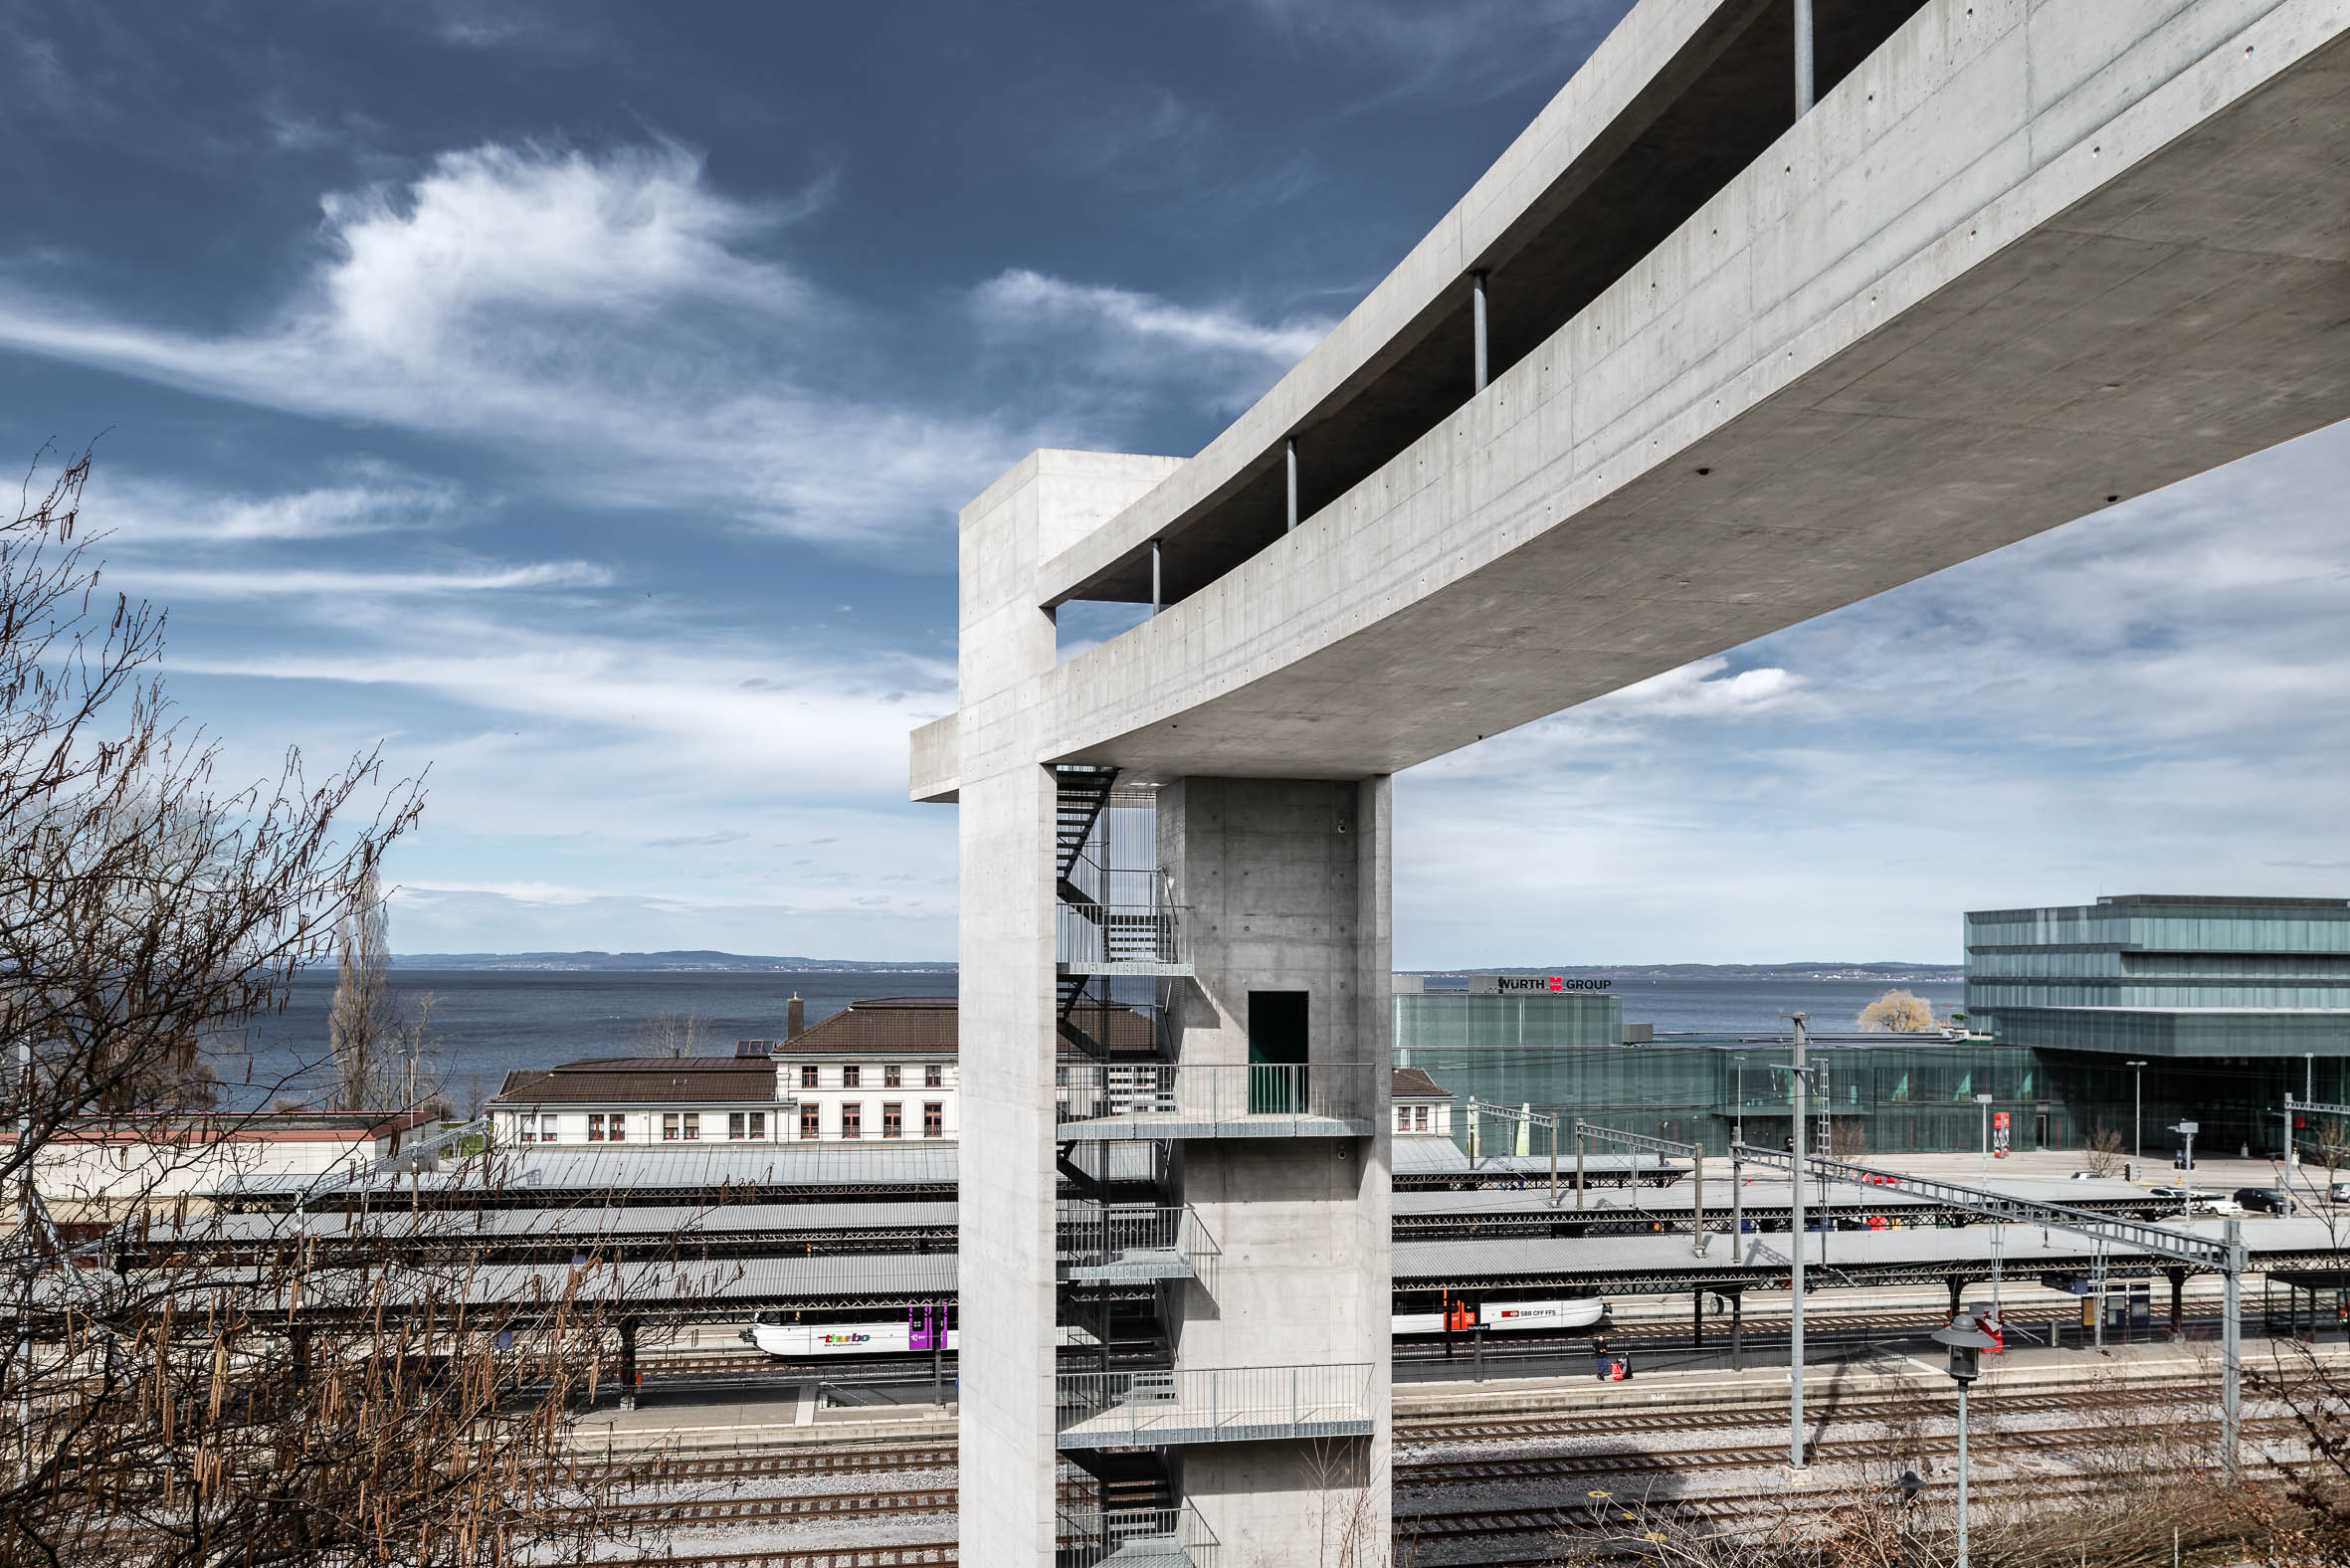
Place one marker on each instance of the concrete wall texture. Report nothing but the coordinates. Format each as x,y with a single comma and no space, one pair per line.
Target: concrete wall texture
1287,887
2026,257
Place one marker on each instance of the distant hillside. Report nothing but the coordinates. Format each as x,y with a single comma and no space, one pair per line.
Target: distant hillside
702,960
1822,970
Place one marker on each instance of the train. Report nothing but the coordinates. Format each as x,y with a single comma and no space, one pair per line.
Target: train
925,1328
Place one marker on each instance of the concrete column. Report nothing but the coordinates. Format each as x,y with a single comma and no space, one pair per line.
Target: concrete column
1289,457
1483,358
1804,59
1287,882
1004,947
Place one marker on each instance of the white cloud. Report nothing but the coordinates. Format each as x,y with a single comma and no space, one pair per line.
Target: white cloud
641,699
145,510
1021,298
1700,691
604,316
345,586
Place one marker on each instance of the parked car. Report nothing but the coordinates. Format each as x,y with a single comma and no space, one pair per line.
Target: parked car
2339,1192
2265,1200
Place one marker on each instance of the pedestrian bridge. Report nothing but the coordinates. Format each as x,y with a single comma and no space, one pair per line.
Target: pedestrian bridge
1739,368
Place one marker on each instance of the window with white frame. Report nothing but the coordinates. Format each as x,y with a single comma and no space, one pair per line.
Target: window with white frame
693,1127
548,1129
669,1126
617,1130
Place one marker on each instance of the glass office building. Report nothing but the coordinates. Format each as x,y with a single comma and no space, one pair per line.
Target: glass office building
2177,976
2121,1018
2230,1002
1566,1054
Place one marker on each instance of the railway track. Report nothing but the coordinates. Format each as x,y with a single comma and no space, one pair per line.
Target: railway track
941,1456
1717,1418
1601,1515
1440,1523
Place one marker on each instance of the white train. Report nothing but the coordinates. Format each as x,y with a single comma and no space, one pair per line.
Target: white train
914,1333
1560,1316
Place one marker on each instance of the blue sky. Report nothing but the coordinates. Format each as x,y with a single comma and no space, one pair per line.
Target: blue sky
577,398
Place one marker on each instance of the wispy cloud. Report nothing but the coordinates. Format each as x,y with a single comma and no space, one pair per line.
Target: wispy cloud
1024,299
1108,354
346,586
605,315
140,511
1476,48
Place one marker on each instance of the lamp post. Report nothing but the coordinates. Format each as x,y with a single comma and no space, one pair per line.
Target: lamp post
2137,1117
1795,1272
1983,1101
1967,1344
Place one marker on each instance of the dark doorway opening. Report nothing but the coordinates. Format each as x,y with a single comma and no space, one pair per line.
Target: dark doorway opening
1277,1051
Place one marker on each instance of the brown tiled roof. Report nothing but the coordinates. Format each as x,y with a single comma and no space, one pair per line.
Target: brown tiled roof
641,1080
924,1025
1411,1083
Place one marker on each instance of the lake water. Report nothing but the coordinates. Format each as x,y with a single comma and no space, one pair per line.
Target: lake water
488,1023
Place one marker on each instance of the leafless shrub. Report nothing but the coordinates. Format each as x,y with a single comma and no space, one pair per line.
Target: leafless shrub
320,1393
2102,1153
673,1034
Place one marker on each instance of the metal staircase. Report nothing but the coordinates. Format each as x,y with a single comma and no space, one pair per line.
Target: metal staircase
1082,793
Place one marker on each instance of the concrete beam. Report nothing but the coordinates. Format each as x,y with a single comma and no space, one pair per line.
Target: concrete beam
2029,258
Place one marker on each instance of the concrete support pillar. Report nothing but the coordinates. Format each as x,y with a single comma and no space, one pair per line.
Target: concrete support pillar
2178,1278
1738,1331
1287,883
1697,1318
1289,457
1007,798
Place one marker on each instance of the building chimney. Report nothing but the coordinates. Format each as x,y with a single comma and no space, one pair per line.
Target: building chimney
796,1019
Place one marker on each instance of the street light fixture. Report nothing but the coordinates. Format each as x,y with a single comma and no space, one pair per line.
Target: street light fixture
1967,1344
1984,1100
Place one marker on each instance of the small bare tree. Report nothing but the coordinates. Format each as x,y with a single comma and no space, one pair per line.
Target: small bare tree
361,1027
673,1034
1897,1011
2102,1153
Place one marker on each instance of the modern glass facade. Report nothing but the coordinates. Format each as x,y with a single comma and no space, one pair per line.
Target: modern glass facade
1884,1096
1562,1055
2060,1069
2278,969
